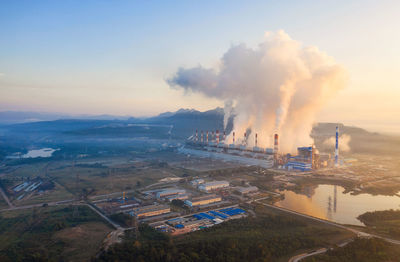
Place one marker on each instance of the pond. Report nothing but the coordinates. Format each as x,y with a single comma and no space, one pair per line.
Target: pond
331,203
44,152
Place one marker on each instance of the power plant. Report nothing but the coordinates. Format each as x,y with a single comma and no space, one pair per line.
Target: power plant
308,158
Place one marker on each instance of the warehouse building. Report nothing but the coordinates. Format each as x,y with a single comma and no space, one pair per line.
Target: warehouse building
203,200
152,210
177,197
197,182
170,192
207,187
247,190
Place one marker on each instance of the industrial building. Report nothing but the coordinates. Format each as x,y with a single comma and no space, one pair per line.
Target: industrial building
247,190
197,182
148,211
169,192
177,197
203,200
209,186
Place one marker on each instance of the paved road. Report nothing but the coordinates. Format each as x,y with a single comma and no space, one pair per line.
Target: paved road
111,194
301,256
115,225
6,198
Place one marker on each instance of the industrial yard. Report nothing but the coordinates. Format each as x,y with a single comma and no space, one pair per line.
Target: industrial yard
187,188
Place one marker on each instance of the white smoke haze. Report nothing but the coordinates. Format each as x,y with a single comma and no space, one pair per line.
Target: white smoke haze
228,110
277,87
344,142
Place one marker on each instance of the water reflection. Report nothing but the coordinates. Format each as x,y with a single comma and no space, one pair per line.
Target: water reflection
330,202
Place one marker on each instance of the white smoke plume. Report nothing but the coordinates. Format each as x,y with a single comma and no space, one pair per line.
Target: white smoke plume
344,142
228,110
277,87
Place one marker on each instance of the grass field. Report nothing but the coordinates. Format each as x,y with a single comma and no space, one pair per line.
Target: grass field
3,203
51,233
96,176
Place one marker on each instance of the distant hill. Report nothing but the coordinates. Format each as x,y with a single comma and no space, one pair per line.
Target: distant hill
16,117
180,125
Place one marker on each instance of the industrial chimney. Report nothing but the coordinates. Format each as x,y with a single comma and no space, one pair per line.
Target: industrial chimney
337,147
276,146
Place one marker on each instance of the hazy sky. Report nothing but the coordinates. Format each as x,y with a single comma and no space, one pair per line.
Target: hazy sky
95,57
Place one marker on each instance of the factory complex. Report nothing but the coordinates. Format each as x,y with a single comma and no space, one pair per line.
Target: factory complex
308,158
196,204
182,225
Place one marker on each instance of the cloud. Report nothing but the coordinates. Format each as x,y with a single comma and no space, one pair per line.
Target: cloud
277,87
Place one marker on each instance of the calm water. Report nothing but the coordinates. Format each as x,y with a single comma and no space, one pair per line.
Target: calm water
44,152
322,201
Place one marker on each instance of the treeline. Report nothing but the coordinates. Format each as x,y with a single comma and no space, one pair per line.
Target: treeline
264,238
379,216
360,250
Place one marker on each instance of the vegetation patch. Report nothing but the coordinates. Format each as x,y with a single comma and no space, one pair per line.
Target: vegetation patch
360,250
270,236
42,234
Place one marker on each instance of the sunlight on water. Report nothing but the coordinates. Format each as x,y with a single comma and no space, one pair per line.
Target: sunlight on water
329,202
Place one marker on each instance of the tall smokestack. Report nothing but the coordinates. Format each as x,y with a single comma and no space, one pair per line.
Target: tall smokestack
256,139
233,137
224,136
244,139
197,136
337,147
217,139
207,136
201,137
276,146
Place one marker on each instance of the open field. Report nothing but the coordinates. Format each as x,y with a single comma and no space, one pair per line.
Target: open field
3,203
52,232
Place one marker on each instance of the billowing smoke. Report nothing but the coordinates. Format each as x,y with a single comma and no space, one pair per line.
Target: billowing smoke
277,87
344,142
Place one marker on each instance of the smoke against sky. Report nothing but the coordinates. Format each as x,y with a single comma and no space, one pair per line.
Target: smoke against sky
278,86
344,142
